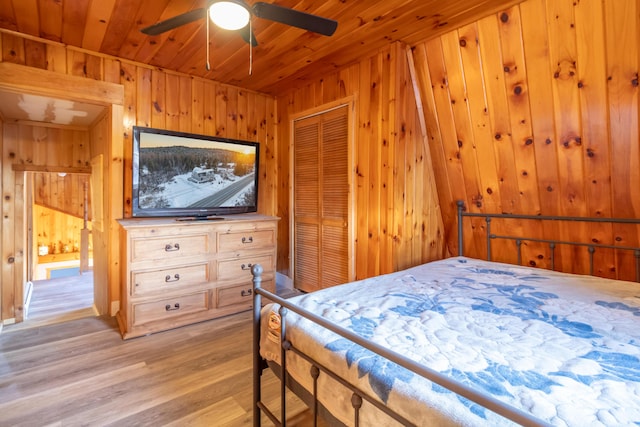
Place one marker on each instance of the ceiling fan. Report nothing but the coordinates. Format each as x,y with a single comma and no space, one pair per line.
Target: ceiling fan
236,15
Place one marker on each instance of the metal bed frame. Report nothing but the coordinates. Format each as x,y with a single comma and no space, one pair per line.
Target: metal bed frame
358,396
591,247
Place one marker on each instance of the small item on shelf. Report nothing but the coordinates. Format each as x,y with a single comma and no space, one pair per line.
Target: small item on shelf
43,250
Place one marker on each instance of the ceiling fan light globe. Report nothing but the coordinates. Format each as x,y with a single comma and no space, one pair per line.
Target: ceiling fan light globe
229,15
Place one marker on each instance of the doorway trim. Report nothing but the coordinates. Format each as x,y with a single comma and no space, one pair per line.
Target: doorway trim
23,79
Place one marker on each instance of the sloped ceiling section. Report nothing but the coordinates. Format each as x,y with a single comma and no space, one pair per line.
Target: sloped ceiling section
285,56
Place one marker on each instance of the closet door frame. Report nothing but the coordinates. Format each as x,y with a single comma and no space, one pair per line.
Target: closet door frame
350,104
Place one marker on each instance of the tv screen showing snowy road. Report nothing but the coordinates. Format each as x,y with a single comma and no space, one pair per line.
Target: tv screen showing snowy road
183,175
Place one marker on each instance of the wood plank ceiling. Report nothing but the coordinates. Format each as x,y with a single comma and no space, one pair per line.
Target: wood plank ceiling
285,57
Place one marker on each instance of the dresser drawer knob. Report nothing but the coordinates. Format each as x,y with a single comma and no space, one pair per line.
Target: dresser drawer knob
246,266
247,239
172,248
175,278
246,293
176,306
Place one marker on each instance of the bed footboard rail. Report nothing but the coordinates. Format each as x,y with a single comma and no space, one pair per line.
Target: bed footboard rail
553,243
492,404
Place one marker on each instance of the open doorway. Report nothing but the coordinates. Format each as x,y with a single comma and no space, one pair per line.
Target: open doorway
60,285
35,142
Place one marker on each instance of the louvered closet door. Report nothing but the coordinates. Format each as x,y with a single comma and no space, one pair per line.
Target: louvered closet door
321,196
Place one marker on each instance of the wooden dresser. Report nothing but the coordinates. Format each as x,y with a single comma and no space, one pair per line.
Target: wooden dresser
180,272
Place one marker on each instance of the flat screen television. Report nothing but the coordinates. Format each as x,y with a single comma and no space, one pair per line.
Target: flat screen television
184,175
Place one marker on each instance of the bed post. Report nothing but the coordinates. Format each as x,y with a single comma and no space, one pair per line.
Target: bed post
460,204
256,270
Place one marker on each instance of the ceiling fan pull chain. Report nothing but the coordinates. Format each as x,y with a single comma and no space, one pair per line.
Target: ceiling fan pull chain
250,48
208,63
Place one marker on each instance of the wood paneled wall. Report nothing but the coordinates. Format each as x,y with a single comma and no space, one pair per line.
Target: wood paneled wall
165,100
534,110
398,221
162,99
56,230
50,146
6,270
531,110
63,192
154,98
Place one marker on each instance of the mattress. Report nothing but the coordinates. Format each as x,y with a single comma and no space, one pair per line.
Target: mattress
565,348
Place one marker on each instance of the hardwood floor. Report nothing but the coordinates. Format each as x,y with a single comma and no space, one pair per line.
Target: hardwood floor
59,300
81,372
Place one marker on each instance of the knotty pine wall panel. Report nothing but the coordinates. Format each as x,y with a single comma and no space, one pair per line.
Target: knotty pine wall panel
7,246
622,61
397,217
153,97
58,231
64,194
50,146
534,110
163,99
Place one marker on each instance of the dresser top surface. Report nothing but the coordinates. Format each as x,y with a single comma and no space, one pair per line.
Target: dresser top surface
191,221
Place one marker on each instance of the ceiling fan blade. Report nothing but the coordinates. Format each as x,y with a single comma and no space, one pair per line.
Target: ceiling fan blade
306,21
176,21
246,35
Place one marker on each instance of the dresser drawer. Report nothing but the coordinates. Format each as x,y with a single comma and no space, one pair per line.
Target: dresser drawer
169,308
246,240
240,268
146,282
234,295
241,295
169,247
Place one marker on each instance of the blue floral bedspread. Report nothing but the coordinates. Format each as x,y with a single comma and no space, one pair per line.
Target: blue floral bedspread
564,348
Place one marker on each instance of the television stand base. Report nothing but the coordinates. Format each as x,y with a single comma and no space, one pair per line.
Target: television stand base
200,218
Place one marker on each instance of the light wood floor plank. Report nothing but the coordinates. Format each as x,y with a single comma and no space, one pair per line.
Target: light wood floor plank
82,373
65,367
